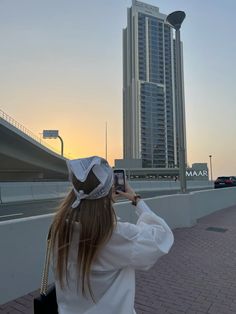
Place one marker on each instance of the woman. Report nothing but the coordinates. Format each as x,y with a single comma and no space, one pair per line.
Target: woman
94,256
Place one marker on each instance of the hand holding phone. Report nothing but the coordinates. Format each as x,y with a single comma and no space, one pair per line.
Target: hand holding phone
119,180
126,192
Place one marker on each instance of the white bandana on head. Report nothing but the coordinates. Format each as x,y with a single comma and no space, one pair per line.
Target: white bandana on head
80,168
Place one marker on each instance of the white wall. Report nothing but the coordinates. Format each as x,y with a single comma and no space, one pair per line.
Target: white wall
22,241
170,185
29,191
22,247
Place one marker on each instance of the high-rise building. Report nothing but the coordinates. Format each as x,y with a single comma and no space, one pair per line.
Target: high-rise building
149,88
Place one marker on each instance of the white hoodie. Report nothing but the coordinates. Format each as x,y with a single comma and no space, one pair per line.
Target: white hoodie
113,272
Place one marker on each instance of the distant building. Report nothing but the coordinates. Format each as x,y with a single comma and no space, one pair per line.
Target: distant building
134,171
149,105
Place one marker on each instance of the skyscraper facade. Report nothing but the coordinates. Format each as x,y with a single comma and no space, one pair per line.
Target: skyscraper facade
149,98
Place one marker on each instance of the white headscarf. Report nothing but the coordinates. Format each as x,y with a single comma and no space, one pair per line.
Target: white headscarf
80,168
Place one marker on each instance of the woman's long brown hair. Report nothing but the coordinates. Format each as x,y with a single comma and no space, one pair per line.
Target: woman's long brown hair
97,220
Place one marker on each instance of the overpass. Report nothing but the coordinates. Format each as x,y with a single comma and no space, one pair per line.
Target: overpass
24,157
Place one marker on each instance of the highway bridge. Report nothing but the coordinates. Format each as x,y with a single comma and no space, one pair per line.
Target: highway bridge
24,157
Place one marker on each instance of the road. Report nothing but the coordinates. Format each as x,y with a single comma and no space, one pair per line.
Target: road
42,207
27,209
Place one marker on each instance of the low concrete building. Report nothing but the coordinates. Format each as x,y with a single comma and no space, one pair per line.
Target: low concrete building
134,171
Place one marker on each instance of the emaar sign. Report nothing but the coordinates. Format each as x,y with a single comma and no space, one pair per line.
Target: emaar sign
196,173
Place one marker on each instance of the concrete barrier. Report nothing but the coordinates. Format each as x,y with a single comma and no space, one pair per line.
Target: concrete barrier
171,185
22,245
22,241
30,191
206,203
63,189
12,192
49,190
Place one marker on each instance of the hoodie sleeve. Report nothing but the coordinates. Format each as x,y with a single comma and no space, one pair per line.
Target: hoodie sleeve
138,245
154,238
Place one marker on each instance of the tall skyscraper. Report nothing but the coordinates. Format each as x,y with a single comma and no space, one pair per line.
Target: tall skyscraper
149,88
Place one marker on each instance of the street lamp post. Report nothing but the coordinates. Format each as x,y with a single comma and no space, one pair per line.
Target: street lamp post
175,20
211,167
62,144
106,142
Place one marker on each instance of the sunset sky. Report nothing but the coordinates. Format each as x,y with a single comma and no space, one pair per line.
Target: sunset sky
61,68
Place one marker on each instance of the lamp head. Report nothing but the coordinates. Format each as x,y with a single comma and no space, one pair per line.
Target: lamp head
175,19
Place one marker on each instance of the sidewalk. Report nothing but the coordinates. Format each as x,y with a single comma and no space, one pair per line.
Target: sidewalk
198,275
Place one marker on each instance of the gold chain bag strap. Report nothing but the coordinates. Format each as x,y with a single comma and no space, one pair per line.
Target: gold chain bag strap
44,283
46,302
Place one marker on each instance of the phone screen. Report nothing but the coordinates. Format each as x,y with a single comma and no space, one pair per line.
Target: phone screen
119,180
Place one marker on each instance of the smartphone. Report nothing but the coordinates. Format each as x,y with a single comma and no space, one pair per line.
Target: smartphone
119,179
